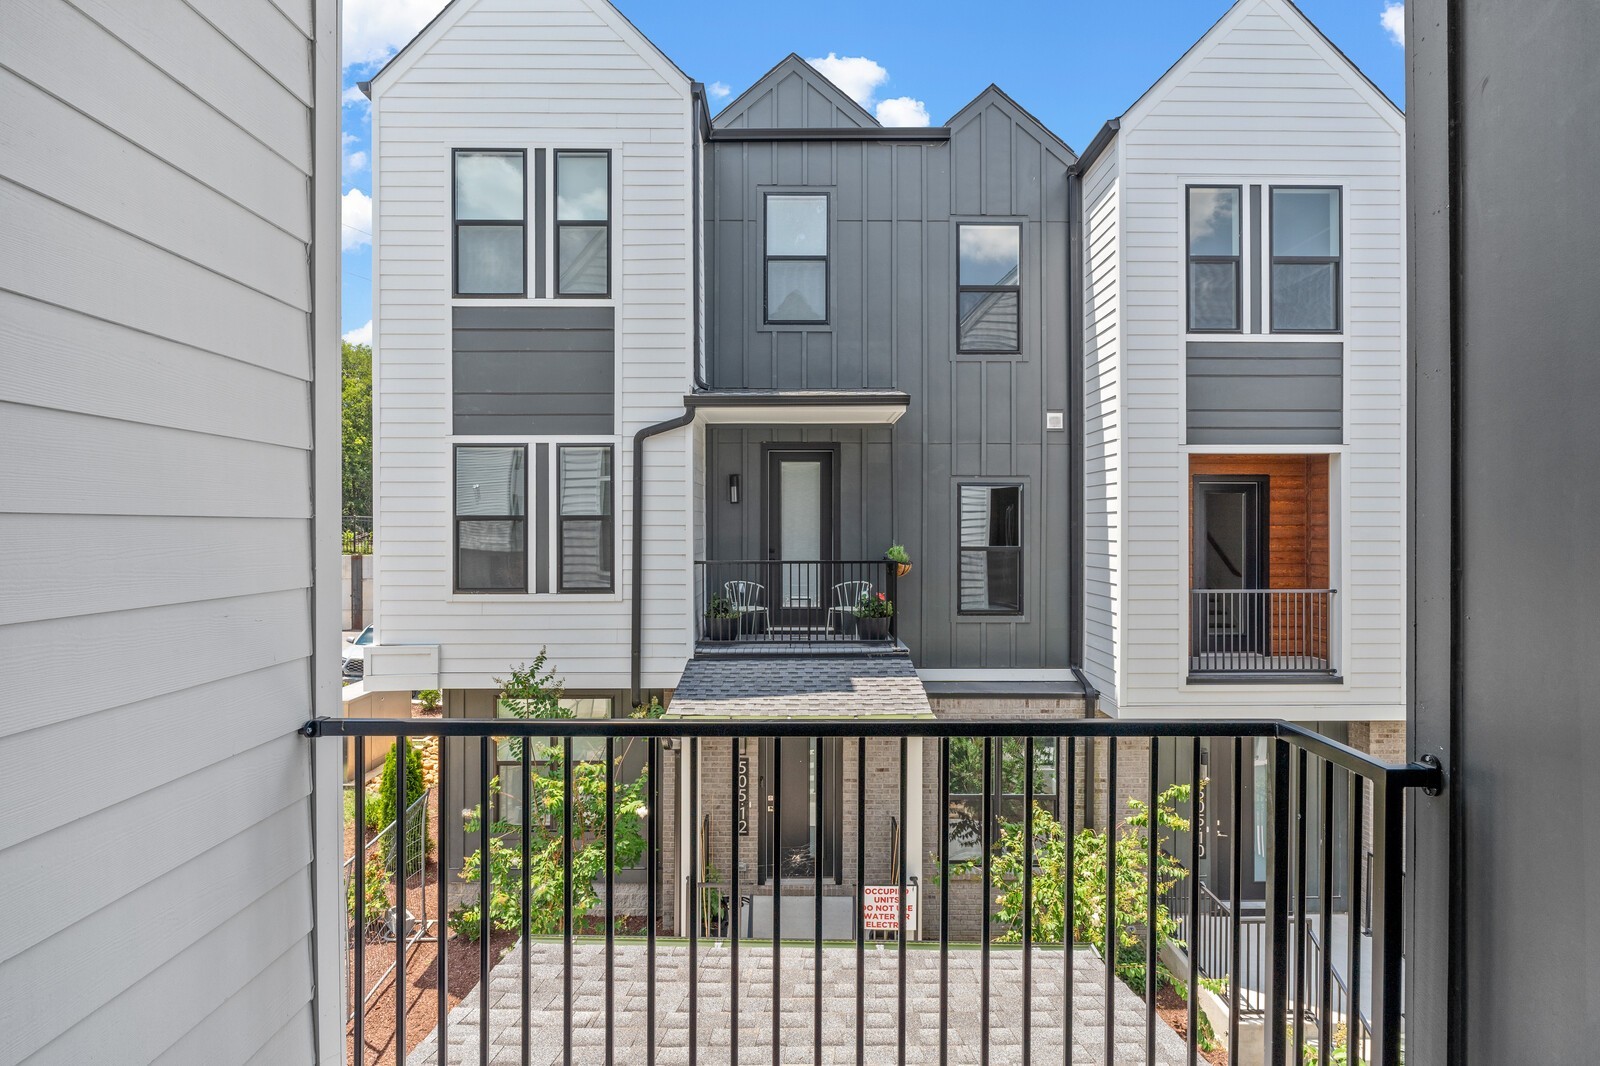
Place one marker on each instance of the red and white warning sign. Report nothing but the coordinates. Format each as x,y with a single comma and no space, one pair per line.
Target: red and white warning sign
881,904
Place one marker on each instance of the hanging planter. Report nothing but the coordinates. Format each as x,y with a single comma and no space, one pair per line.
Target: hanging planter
901,560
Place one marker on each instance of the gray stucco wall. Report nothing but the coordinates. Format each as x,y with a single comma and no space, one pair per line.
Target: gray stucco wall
893,213
1265,392
527,370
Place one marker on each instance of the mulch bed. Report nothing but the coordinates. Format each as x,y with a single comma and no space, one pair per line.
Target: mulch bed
1174,1010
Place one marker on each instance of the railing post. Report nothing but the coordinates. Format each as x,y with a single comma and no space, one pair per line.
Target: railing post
891,581
1277,975
1388,808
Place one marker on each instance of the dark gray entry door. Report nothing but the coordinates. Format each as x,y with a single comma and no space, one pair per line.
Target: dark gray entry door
1230,560
789,807
799,535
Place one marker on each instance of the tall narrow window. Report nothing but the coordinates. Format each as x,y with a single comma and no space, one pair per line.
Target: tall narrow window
491,518
991,549
490,212
584,534
1214,259
797,259
1009,793
989,280
583,223
1305,260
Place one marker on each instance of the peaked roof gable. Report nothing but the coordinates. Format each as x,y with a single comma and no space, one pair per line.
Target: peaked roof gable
793,95
996,95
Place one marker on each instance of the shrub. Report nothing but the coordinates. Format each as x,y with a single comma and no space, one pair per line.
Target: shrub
430,699
418,840
377,901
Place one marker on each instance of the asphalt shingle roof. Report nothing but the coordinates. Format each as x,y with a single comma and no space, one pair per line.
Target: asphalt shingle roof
800,687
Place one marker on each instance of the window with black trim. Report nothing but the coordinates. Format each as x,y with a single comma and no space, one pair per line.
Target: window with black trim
796,259
584,521
989,288
1009,795
1215,262
583,223
1306,266
990,539
490,210
491,518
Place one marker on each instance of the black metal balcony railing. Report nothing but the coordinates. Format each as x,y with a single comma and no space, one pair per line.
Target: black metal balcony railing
1261,632
1315,792
793,601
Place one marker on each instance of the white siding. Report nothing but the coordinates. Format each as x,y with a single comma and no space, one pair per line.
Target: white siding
1262,99
518,74
162,382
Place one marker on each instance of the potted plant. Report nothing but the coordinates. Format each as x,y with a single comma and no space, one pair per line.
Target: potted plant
873,614
722,621
897,555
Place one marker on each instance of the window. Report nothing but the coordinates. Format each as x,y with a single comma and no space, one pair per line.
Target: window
1214,259
583,223
797,259
584,535
989,283
544,756
990,522
490,229
491,518
1305,260
1007,798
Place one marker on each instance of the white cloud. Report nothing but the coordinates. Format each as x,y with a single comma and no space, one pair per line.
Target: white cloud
353,96
356,162
858,76
360,335
357,218
376,29
1394,20
902,111
718,90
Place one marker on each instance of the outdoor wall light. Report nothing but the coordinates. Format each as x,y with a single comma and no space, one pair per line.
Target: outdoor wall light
733,488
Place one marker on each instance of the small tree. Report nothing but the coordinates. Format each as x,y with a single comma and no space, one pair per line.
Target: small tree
418,840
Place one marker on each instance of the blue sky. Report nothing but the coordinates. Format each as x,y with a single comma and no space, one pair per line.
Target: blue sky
1072,64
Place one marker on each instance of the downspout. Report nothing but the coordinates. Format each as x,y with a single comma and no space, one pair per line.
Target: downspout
638,538
699,124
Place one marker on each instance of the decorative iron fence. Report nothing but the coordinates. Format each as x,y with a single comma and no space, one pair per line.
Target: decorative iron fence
1261,631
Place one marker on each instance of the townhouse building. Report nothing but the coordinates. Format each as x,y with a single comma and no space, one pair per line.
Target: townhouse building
657,390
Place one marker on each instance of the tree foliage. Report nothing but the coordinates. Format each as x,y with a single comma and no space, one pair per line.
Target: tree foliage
418,840
357,429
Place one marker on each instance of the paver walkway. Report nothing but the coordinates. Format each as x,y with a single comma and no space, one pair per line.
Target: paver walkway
796,1020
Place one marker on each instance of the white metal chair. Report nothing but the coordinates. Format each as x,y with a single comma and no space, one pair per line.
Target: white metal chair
748,599
847,596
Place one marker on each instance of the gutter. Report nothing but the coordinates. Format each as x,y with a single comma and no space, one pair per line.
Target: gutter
637,598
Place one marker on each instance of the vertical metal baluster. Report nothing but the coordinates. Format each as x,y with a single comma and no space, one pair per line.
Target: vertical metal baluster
944,901
983,905
1235,874
442,934
1277,1005
1152,876
1109,952
816,871
900,908
1356,801
861,900
1196,827
1325,1028
525,890
738,908
1387,897
1069,904
400,802
358,959
777,900
611,913
1027,902
485,925
566,900
696,903
1300,924
653,871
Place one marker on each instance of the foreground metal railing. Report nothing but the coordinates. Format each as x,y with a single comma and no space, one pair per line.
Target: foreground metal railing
789,601
1261,631
712,764
393,921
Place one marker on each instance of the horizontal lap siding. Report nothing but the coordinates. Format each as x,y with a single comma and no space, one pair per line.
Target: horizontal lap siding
155,530
1103,425
1263,101
547,75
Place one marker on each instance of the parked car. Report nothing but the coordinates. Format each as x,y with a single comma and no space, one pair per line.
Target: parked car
353,666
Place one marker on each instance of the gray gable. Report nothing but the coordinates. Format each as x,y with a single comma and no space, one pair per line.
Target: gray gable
793,95
994,105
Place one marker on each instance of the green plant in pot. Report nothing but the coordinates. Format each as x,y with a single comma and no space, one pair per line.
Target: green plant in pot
874,611
897,555
722,621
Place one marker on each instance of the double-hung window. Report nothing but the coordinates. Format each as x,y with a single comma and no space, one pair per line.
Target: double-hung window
796,259
989,284
491,523
1305,259
490,219
583,223
1214,259
584,518
990,528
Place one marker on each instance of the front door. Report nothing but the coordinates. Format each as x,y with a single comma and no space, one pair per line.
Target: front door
1230,560
799,536
792,771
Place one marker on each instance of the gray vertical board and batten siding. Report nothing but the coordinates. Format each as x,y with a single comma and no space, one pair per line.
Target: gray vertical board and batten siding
533,370
167,357
1265,392
792,96
894,207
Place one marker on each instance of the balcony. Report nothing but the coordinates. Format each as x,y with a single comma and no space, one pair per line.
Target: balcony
607,945
1261,634
775,607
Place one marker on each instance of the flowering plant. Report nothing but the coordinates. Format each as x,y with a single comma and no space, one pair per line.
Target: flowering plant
874,605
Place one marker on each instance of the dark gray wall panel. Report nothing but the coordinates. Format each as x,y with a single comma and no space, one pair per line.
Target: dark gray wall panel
792,95
527,370
1271,392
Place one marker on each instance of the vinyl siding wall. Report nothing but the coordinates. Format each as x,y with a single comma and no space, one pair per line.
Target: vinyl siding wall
1263,99
162,382
551,74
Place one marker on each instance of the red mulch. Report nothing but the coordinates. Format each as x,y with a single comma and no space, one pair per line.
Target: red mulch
1174,1010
